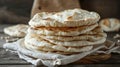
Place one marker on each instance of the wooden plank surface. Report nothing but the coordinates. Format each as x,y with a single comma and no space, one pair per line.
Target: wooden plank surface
9,59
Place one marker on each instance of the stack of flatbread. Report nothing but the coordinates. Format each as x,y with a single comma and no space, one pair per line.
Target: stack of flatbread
67,32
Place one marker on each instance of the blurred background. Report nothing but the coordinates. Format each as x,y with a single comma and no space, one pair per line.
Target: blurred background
15,11
18,11
106,8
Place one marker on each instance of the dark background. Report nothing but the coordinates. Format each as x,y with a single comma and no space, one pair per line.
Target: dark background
18,11
106,8
20,7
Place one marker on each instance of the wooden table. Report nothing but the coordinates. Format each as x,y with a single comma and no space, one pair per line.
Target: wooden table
8,59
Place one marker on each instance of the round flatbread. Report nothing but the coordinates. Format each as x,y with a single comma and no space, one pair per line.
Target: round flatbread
77,43
19,30
67,18
90,37
56,48
38,42
64,31
110,24
32,39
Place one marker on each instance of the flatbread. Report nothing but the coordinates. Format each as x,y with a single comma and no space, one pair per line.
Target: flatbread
78,43
42,42
75,31
56,48
19,30
67,18
90,37
110,24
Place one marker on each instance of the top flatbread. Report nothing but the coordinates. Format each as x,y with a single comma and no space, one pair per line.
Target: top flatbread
67,18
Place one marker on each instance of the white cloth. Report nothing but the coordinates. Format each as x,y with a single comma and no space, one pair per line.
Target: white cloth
52,59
